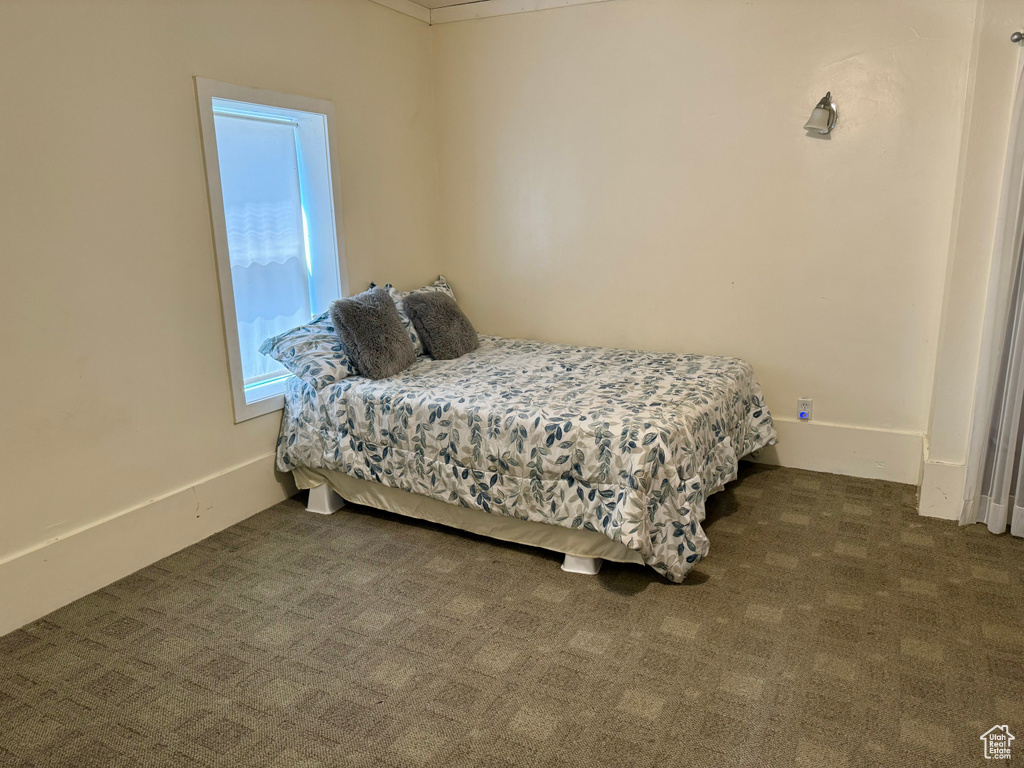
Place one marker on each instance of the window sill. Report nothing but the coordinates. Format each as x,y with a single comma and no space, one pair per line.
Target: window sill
262,399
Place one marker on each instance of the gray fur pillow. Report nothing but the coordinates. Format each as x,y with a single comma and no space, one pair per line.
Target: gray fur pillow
369,325
444,328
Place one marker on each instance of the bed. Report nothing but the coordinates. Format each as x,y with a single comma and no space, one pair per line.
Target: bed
593,452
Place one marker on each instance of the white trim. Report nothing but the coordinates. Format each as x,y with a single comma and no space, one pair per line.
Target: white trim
844,449
407,7
488,8
250,410
263,398
41,579
206,91
942,490
476,9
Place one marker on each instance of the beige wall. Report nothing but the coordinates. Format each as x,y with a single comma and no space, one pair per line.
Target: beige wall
115,385
994,63
634,174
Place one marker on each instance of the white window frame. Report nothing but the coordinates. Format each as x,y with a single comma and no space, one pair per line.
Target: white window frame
269,396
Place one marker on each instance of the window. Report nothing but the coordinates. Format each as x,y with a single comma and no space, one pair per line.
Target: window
272,200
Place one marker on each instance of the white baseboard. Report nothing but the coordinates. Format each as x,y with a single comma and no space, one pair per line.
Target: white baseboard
942,490
878,454
41,579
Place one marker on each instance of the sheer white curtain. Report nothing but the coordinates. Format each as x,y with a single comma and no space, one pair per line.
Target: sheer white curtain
994,493
266,234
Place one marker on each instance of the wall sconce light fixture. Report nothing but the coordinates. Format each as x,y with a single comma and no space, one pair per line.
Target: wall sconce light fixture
823,118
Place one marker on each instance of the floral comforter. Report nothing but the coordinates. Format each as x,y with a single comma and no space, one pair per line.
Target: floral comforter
625,443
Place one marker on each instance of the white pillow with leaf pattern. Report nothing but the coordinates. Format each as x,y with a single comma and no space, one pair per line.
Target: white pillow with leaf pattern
313,352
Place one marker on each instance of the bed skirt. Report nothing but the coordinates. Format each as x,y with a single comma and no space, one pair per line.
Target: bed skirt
568,541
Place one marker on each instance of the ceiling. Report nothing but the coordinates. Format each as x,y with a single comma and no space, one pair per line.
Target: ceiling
443,3
444,11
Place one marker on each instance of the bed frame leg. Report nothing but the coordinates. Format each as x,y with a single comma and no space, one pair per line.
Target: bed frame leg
588,566
323,500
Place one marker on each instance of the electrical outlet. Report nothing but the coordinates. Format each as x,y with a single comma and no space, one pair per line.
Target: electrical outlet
805,408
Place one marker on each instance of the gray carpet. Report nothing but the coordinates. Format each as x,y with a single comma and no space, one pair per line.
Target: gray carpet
830,626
